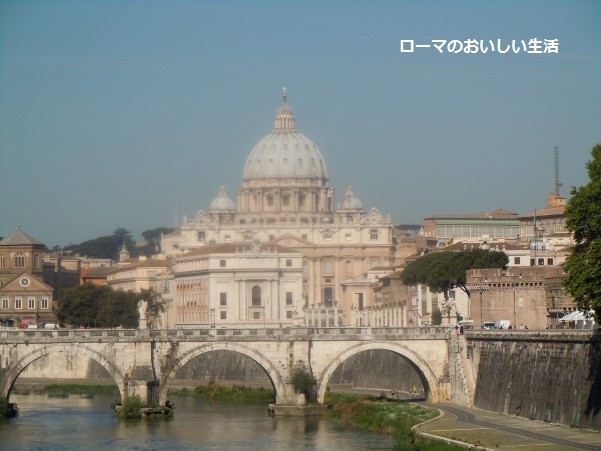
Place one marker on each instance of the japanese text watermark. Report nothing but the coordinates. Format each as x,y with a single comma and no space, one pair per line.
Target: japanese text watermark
533,45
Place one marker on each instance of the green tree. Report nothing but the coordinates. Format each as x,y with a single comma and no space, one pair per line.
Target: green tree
444,270
583,218
106,246
90,305
153,239
303,382
436,317
155,305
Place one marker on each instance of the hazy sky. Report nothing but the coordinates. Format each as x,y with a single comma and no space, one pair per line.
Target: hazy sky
132,113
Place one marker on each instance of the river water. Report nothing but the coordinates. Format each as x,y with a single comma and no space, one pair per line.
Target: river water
75,423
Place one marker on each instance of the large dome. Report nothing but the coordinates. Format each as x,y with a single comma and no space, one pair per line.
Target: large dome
285,153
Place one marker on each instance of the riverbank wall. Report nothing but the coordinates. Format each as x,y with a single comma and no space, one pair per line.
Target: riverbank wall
542,376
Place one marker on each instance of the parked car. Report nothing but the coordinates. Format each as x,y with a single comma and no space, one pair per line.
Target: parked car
488,325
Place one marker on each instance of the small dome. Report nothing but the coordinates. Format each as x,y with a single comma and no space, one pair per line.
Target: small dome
350,201
285,152
222,202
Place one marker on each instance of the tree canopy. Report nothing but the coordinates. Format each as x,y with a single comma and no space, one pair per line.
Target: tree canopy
583,218
444,270
90,305
106,246
110,245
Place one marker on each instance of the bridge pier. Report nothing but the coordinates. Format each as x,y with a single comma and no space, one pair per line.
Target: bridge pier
148,391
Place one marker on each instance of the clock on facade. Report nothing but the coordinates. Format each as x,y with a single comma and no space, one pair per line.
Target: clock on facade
24,281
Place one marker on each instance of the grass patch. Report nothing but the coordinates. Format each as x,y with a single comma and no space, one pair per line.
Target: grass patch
76,389
237,393
384,416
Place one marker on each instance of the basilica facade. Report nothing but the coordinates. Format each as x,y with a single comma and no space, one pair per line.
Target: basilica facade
285,201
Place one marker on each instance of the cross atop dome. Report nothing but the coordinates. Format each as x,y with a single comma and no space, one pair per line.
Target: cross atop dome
284,118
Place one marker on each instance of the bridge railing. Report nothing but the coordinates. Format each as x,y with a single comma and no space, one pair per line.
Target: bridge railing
211,334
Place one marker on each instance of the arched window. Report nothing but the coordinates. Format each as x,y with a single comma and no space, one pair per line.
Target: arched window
1,260
36,261
19,261
256,296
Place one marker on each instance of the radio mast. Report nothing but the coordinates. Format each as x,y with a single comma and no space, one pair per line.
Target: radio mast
556,158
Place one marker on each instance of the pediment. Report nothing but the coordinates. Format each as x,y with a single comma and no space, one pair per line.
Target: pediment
26,283
292,241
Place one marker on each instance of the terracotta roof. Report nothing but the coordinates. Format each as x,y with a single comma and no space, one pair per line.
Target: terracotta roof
549,211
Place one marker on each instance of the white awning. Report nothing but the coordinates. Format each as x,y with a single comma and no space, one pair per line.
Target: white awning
575,316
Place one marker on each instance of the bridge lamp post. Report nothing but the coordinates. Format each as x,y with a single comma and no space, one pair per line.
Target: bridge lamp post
212,317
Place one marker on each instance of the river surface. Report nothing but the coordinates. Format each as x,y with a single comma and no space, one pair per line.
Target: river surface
48,423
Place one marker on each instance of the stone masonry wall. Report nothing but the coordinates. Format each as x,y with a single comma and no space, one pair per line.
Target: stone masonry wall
547,378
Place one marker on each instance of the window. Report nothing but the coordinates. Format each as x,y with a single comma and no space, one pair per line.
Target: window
288,262
256,296
45,303
360,301
532,262
256,315
1,260
550,261
18,303
285,201
222,263
289,314
347,237
4,303
228,239
516,260
19,261
201,236
327,236
304,236
31,303
269,200
223,314
541,262
373,234
349,219
288,297
223,299
328,296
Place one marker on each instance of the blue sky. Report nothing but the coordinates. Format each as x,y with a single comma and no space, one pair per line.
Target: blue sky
132,113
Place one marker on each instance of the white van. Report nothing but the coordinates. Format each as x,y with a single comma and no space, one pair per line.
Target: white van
502,324
51,326
32,326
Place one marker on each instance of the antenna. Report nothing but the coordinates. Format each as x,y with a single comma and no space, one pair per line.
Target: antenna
556,158
176,210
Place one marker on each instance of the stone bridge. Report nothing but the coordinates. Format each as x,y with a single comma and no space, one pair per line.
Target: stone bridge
138,359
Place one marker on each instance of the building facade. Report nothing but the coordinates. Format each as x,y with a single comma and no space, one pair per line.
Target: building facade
285,199
25,299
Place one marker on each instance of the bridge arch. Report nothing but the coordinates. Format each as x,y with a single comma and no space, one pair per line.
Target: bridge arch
16,368
421,366
276,377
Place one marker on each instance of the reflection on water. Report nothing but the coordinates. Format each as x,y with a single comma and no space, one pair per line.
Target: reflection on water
78,423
